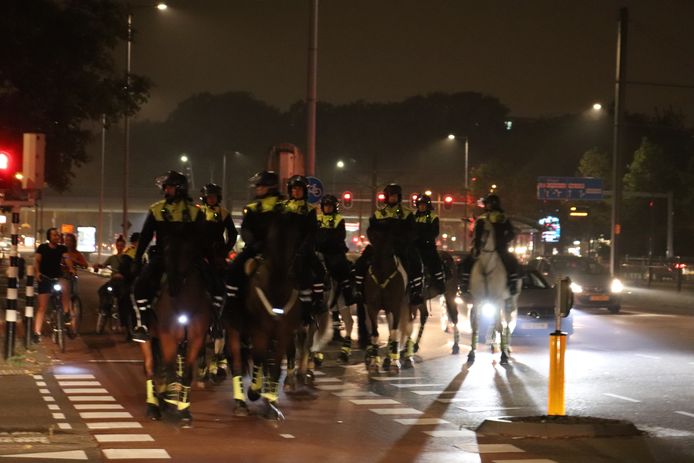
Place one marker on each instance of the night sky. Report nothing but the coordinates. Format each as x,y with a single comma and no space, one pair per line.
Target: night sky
539,57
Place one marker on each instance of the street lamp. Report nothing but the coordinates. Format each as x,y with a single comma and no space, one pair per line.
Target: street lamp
451,136
466,185
162,6
597,107
188,167
339,165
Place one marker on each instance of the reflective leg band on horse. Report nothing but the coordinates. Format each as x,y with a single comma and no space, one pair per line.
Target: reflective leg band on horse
394,350
237,385
257,382
184,398
151,397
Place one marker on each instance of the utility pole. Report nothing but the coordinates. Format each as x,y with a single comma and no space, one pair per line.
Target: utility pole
311,94
620,81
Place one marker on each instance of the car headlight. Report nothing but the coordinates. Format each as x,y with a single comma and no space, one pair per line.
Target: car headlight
488,310
183,319
576,288
57,287
616,286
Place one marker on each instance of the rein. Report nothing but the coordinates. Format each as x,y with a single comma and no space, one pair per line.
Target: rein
387,280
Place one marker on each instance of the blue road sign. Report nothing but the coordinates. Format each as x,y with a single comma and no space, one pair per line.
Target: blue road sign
315,189
577,188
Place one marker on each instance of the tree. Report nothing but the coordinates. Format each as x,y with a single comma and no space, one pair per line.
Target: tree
595,163
58,75
651,170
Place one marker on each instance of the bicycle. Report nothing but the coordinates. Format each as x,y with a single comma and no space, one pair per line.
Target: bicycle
110,317
75,301
56,318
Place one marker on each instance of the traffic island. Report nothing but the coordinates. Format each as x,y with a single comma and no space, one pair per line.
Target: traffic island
557,426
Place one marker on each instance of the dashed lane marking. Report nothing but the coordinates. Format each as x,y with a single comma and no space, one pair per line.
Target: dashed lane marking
327,380
53,407
86,390
47,398
396,411
621,397
336,387
123,438
104,415
98,407
114,361
355,393
685,413
66,455
79,383
74,376
114,425
318,373
287,436
41,383
64,426
452,433
490,448
38,376
135,454
652,357
395,378
421,421
453,400
416,385
58,416
486,409
44,391
434,392
91,398
374,402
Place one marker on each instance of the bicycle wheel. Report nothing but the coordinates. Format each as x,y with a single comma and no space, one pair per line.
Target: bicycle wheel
101,321
60,328
76,313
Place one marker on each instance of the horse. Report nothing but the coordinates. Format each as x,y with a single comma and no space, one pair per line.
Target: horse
339,311
270,313
490,293
448,301
181,317
385,287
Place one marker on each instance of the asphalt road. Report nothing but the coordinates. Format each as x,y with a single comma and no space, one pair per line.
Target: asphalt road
637,365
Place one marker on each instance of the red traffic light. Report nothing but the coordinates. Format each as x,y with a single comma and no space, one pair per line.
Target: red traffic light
381,197
448,201
4,160
347,199
413,199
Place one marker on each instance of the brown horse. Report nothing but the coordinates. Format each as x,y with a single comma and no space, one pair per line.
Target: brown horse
182,313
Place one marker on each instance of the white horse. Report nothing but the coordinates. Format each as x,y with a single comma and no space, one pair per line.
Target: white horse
490,293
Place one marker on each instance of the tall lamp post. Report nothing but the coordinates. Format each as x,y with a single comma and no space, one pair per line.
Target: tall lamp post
466,186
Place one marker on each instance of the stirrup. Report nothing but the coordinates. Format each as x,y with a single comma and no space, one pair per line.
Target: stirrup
140,334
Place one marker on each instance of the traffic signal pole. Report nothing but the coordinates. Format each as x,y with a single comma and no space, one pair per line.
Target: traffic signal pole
12,284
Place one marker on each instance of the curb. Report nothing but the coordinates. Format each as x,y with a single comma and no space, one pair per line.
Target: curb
554,427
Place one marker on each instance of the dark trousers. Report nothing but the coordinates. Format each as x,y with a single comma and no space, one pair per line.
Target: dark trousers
340,270
432,261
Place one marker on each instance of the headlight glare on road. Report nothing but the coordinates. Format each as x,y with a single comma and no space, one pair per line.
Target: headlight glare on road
616,286
488,309
576,288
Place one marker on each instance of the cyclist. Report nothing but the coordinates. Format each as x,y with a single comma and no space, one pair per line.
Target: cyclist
47,259
115,283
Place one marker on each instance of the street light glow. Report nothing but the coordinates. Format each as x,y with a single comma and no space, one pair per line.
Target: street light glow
340,164
184,158
428,192
597,107
451,136
161,6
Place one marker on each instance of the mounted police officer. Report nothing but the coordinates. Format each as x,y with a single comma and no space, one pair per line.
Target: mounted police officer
330,242
217,222
257,218
303,215
426,225
175,216
398,222
503,235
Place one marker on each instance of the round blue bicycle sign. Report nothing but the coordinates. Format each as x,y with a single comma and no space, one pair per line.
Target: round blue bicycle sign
315,189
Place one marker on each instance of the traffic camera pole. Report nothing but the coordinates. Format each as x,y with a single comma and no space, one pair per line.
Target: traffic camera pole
11,302
29,307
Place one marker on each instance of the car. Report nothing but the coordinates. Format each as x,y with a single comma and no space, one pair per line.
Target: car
591,282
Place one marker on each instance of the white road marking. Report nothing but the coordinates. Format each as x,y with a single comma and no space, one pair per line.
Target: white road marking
319,373
652,357
104,415
44,391
86,390
58,416
685,413
98,407
91,398
396,411
38,376
453,400
41,383
486,409
336,387
395,378
452,433
287,436
327,380
79,383
115,361
491,448
417,385
47,398
53,407
64,426
136,454
66,455
123,438
355,366
421,421
74,376
355,393
435,392
114,425
628,399
374,402
535,460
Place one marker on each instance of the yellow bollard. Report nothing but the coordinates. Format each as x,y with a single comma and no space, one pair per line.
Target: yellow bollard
557,349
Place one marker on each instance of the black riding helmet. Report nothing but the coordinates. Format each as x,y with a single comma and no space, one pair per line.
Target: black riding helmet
492,202
211,189
329,199
393,189
266,178
135,237
175,179
424,199
300,181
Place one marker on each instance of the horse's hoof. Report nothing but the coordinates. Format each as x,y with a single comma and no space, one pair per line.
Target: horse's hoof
386,364
185,418
153,412
504,358
373,368
253,395
455,350
416,347
274,413
408,363
343,358
309,378
241,409
471,357
394,369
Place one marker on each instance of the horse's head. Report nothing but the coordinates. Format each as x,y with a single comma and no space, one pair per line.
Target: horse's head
488,239
181,259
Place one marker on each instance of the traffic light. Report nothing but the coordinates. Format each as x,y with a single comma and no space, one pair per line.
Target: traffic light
347,199
6,169
381,198
448,201
413,199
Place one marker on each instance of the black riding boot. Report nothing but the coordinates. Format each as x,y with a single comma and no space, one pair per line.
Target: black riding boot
143,310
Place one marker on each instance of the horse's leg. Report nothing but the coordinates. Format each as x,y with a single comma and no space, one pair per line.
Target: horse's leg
405,326
152,401
395,315
371,321
271,386
259,354
346,348
295,343
474,331
452,311
320,337
423,317
234,345
172,362
506,327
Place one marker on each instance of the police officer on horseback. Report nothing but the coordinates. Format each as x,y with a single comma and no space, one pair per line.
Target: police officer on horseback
503,234
303,215
426,224
330,242
217,222
175,216
398,222
257,218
